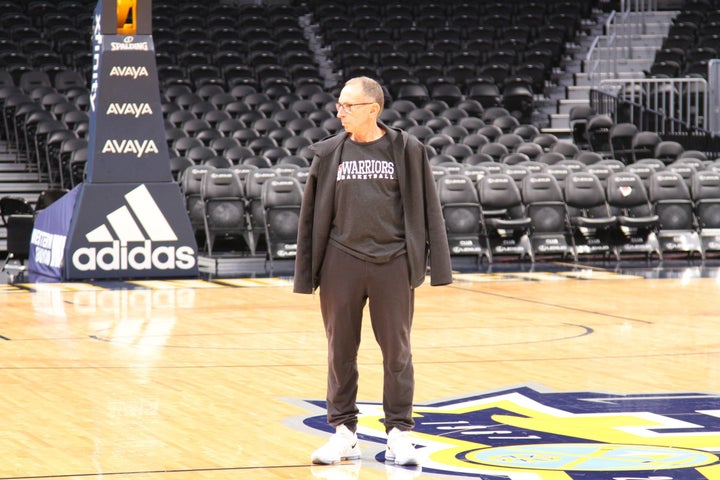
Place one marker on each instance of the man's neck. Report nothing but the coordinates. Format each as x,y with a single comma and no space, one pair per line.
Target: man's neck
370,135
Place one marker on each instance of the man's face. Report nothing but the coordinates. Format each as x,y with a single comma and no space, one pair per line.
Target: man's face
354,113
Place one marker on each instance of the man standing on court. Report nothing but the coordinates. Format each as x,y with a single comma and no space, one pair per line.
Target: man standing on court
370,220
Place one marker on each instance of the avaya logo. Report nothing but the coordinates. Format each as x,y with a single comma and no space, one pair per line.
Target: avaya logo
129,71
140,223
136,147
134,109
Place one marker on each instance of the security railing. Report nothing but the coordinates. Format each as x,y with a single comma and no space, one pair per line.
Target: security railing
664,105
606,50
678,109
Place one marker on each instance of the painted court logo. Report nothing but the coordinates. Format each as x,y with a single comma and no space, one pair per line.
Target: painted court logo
131,235
526,433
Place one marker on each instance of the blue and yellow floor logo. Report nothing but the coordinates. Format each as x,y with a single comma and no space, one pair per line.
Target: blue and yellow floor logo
527,433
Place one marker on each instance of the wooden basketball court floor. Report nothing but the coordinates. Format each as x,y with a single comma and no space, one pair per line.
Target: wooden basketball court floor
216,379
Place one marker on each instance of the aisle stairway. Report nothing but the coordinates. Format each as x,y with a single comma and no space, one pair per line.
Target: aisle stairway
573,82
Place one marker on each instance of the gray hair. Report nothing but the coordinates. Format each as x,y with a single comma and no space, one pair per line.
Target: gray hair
371,88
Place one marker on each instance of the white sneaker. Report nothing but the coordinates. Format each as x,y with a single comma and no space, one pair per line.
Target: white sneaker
400,450
343,445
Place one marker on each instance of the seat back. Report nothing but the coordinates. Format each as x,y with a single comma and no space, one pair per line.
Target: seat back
19,233
668,151
621,138
517,172
459,201
671,201
14,206
685,170
589,214
643,171
499,194
191,187
578,118
461,211
242,170
560,172
253,192
178,165
49,196
281,191
627,195
281,198
544,202
496,150
644,143
602,172
598,133
705,192
223,202
220,183
585,195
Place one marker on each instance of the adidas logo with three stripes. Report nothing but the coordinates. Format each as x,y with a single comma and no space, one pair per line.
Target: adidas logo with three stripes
140,223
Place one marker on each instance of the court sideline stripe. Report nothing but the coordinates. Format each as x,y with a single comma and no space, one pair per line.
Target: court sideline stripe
547,304
154,472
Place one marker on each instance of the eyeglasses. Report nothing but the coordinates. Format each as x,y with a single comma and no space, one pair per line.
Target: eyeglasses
348,107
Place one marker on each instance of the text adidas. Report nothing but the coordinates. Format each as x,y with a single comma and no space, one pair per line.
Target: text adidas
134,109
117,257
136,147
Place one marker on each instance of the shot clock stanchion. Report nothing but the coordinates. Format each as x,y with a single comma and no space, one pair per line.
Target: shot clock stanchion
127,219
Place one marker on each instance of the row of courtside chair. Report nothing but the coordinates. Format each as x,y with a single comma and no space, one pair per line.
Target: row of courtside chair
244,210
489,217
495,216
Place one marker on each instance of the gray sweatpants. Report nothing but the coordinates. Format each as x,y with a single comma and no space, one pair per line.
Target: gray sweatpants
346,284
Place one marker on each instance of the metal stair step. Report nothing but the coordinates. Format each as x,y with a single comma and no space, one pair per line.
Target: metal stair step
6,177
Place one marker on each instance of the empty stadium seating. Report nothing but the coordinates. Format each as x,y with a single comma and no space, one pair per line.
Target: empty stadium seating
249,86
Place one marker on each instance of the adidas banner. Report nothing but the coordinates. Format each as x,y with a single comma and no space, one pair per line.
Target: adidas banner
136,234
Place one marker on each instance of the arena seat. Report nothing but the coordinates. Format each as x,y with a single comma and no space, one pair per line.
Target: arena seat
621,141
281,198
673,205
191,188
637,224
253,193
224,204
461,211
505,224
589,214
550,233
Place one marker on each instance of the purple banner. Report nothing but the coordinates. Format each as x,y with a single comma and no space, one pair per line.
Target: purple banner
49,236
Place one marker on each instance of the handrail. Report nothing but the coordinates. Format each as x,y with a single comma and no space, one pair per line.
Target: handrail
602,58
600,45
676,103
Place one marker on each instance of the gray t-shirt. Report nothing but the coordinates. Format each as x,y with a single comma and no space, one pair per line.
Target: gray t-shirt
368,214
